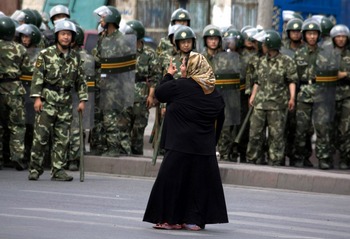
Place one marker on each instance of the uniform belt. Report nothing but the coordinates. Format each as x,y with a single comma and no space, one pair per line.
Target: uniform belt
26,78
91,85
4,80
58,89
327,77
231,80
118,64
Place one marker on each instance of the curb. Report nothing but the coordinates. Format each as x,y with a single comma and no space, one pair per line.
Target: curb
308,180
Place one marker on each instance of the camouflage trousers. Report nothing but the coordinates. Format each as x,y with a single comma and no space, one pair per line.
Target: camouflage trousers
309,116
12,116
274,120
132,124
226,143
56,120
342,129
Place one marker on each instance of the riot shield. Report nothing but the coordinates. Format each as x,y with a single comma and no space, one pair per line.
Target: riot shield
227,68
26,82
118,60
327,65
288,52
88,65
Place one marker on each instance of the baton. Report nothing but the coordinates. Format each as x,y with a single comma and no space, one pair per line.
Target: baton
81,165
243,126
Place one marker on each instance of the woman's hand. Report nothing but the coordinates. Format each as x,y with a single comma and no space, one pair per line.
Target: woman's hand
172,68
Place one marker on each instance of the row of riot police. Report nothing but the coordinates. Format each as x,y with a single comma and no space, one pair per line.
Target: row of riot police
120,75
291,90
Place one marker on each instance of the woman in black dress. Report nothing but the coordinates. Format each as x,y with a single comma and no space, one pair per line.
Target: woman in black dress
188,191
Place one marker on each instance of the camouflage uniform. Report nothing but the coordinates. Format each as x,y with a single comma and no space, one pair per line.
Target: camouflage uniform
14,62
291,121
134,119
342,115
315,103
164,46
274,74
252,66
54,77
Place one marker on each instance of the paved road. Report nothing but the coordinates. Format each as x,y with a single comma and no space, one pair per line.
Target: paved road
107,206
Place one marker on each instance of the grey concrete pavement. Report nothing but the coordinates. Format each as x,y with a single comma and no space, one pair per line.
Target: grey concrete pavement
310,180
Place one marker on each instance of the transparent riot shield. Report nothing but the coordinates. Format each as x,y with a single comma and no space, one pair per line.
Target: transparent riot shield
327,65
286,51
88,65
227,70
118,60
26,82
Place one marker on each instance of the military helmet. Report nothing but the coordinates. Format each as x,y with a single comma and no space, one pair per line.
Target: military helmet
66,25
32,31
183,33
212,31
325,23
137,27
79,39
7,28
180,14
30,17
115,16
272,40
311,25
59,9
340,30
235,35
294,24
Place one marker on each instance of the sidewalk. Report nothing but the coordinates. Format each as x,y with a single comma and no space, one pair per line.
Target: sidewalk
290,178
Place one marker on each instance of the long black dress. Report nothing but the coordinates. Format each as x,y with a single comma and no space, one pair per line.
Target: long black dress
188,188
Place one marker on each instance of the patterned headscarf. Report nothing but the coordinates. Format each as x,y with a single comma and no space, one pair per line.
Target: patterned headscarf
199,70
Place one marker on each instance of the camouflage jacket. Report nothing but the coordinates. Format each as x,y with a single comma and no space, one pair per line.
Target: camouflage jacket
14,61
113,45
55,75
311,64
164,46
274,74
246,55
250,73
148,72
343,86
